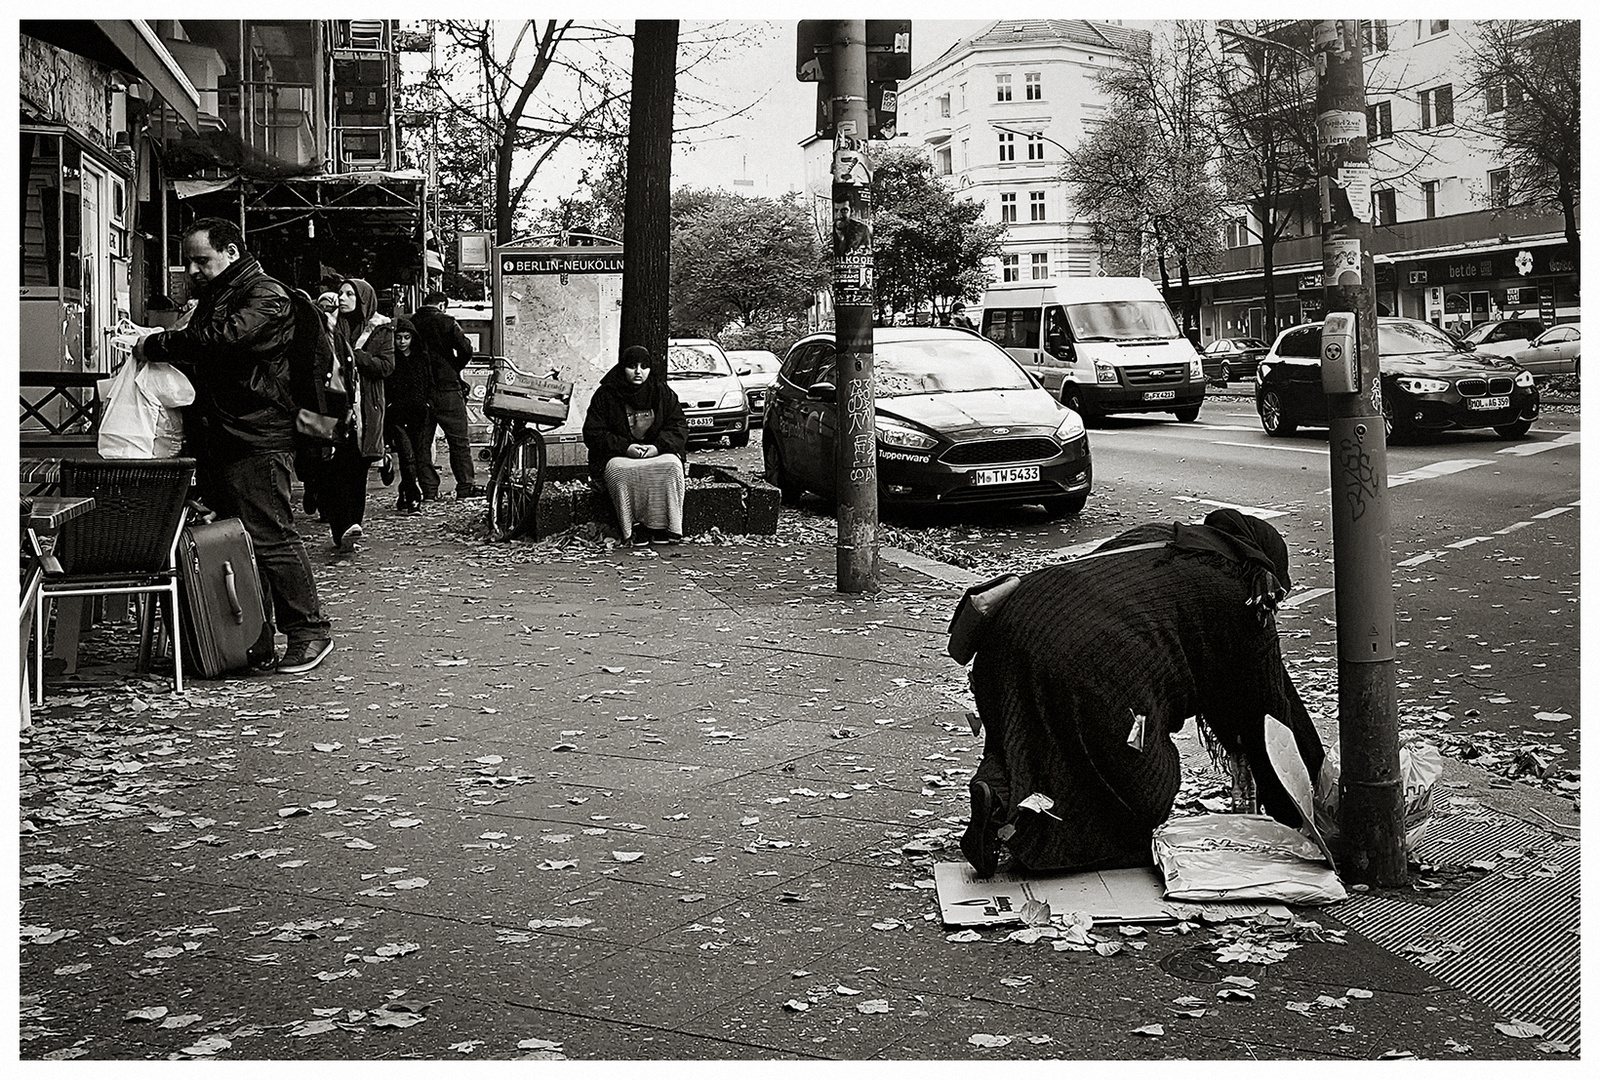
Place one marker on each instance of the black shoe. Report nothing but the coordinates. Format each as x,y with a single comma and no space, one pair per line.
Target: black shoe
303,656
668,538
641,538
979,844
386,470
469,491
264,664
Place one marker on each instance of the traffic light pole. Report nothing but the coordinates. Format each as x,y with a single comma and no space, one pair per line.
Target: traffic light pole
856,439
1372,797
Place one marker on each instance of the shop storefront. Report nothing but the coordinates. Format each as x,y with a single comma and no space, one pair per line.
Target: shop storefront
1459,291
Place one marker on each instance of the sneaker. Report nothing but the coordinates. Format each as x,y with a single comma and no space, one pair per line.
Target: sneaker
386,470
669,538
980,844
265,664
641,538
347,542
470,491
303,656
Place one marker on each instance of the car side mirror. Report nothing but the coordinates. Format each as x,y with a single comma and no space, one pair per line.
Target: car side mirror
741,371
822,391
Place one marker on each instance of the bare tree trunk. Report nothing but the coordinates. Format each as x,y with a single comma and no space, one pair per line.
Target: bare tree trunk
647,204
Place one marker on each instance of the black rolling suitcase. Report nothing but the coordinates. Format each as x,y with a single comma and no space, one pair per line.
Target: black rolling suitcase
223,613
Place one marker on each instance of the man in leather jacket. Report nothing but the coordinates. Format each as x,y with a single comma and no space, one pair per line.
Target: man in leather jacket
235,349
446,350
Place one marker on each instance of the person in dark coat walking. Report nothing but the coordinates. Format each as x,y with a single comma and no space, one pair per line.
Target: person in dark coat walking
447,350
637,434
1085,670
235,351
406,411
364,341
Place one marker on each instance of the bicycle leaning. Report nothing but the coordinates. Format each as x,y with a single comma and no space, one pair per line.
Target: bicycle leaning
520,404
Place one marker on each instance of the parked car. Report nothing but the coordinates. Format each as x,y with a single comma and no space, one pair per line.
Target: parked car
713,398
1430,382
1553,352
958,423
757,370
1226,357
1503,337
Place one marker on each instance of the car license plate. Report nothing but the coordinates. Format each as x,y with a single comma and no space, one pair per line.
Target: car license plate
1497,401
700,421
1160,395
1017,474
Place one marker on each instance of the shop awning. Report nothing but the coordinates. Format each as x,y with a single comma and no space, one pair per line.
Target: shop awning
128,45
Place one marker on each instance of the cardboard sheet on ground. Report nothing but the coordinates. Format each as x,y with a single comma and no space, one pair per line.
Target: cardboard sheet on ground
1107,895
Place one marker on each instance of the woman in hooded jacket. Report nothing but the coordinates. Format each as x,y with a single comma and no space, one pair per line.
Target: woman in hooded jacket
364,341
406,410
636,434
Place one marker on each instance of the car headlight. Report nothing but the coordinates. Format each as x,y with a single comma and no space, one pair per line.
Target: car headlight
1422,386
892,434
1524,379
1070,428
1105,373
1196,372
1262,369
732,399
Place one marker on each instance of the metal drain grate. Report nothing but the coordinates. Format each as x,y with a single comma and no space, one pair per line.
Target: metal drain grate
1519,934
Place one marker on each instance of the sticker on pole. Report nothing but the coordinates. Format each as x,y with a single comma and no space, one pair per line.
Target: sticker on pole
1341,262
1336,128
850,167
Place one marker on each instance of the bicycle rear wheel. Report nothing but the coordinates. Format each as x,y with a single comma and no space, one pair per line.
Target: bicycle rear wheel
515,480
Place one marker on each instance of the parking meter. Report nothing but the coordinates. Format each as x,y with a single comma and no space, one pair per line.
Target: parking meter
1340,367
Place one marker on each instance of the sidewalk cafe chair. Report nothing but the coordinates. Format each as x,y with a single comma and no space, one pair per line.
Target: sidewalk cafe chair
127,545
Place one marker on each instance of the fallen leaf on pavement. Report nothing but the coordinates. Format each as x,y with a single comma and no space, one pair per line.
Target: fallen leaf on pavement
875,1005
153,1012
984,1039
1519,1029
1149,1029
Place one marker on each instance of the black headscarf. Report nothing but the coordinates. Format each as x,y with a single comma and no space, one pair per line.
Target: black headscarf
642,396
1257,548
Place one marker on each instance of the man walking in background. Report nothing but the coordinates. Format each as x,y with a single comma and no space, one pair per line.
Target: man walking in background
235,350
445,351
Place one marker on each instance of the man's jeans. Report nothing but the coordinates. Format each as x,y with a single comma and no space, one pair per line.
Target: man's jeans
256,491
449,414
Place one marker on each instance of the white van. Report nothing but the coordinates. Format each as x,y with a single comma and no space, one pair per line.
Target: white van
1102,344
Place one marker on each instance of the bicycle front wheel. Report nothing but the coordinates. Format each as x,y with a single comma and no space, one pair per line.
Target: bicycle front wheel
515,479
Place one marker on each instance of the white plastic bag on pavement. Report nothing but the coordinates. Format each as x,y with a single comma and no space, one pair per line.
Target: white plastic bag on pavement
1242,857
1420,768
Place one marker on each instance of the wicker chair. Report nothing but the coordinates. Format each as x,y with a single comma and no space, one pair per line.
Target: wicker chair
127,545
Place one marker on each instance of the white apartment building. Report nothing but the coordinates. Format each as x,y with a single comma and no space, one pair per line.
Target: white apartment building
1446,249
995,113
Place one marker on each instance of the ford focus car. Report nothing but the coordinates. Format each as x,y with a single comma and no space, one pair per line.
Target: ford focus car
958,423
712,395
1430,383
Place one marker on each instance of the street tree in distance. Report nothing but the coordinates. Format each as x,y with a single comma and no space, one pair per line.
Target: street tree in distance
745,263
1528,74
929,247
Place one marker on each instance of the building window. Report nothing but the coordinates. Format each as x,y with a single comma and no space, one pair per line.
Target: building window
1002,87
1010,270
1040,265
1008,146
1438,107
1374,36
944,104
1430,198
964,158
1035,206
1383,207
1500,187
1237,234
1035,147
1434,26
961,97
941,159
1380,123
1008,207
1033,89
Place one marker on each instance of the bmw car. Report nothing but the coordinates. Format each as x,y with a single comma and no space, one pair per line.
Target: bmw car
958,423
1430,383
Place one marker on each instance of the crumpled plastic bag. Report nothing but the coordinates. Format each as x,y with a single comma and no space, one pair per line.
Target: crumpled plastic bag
140,417
1421,766
1242,857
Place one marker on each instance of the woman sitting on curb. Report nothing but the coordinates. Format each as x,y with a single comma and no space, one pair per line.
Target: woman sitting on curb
636,434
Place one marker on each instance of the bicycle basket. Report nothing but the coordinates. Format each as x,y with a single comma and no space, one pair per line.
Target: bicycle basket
513,394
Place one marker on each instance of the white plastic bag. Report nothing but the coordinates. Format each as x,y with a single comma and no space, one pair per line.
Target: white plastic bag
140,417
1242,857
1420,769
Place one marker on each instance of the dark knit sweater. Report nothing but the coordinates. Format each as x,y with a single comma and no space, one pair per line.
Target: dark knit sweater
1077,652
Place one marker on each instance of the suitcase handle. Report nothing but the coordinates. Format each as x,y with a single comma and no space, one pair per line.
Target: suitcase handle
233,591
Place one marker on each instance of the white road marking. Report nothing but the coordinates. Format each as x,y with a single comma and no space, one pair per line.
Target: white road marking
1468,542
1436,470
1274,446
1552,513
1524,449
1513,527
1418,560
1304,598
1253,511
